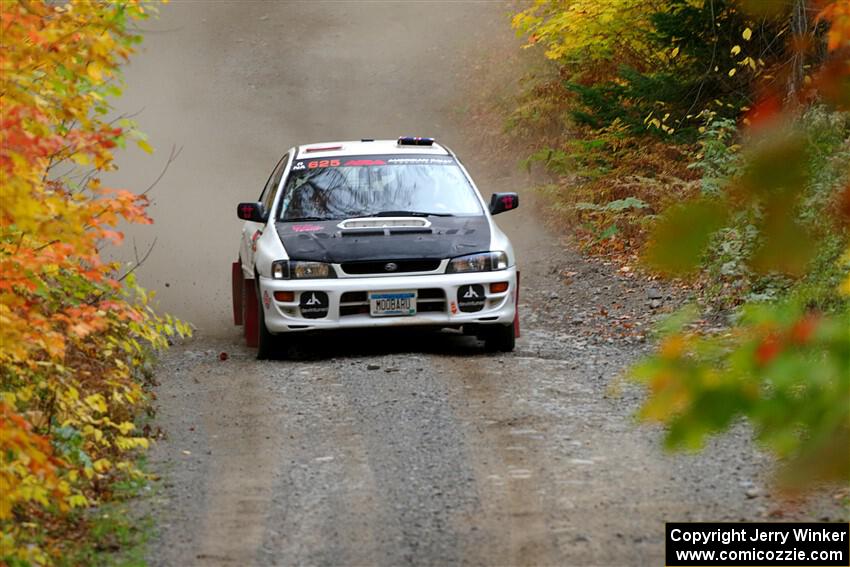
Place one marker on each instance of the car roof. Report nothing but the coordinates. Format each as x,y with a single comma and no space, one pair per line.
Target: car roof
366,147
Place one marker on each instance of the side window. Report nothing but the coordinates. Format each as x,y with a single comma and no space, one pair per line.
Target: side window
267,196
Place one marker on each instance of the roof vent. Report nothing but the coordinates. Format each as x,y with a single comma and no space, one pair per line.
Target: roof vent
415,141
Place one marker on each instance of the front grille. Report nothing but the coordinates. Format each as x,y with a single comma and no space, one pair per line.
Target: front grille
428,300
353,303
347,310
354,297
432,293
380,267
431,307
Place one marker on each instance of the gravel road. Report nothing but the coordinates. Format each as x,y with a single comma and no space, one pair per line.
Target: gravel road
391,448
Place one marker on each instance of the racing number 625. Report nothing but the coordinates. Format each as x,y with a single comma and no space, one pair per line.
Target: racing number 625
323,163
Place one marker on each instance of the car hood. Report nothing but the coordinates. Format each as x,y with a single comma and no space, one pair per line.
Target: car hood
324,241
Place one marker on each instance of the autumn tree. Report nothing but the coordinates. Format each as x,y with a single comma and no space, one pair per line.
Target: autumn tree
75,330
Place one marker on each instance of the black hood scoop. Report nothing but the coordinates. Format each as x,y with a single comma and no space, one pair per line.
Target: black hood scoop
324,241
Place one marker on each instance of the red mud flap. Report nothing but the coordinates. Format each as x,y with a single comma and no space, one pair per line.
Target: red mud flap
236,285
516,314
250,316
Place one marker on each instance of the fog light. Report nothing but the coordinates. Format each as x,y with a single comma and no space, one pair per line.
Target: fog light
498,287
286,296
314,304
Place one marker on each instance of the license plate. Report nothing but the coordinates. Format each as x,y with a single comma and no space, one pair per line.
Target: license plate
392,303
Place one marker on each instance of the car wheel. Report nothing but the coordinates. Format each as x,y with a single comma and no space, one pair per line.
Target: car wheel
249,312
265,340
500,338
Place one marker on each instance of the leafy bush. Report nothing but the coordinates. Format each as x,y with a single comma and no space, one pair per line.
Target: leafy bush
690,130
611,184
729,278
76,331
783,367
778,235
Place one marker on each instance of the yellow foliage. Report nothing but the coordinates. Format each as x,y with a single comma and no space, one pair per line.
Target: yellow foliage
68,396
582,31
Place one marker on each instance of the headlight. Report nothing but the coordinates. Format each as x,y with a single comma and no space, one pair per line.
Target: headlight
298,270
310,270
280,270
482,262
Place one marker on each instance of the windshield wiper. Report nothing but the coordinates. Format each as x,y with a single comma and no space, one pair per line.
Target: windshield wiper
308,218
408,214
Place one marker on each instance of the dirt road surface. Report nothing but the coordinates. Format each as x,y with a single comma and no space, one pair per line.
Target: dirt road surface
389,449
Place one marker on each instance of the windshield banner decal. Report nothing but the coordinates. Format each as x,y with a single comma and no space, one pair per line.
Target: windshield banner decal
367,161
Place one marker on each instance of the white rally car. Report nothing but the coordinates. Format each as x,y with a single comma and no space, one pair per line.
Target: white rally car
375,233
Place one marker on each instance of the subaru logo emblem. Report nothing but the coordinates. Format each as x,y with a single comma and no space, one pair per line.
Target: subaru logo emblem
390,266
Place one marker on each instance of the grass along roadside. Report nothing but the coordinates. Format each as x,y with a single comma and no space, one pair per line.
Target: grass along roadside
115,534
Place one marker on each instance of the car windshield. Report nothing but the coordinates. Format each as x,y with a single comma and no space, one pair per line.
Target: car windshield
332,189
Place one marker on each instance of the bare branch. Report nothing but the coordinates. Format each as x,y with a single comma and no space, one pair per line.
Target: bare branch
173,155
139,261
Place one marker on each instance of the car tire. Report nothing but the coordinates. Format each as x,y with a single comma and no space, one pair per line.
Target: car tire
500,338
266,341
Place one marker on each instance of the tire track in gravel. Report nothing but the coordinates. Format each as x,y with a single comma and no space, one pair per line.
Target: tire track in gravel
402,473
507,459
242,461
324,502
219,453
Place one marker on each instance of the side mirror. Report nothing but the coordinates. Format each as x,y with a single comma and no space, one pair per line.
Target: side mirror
501,202
251,212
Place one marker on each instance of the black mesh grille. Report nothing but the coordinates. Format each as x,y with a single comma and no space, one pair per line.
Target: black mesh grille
346,310
436,307
380,266
354,296
431,293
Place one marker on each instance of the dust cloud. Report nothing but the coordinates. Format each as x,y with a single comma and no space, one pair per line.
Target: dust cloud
233,85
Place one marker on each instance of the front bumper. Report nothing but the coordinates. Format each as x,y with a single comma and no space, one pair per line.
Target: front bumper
437,304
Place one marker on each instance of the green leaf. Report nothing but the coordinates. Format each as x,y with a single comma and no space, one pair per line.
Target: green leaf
680,238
